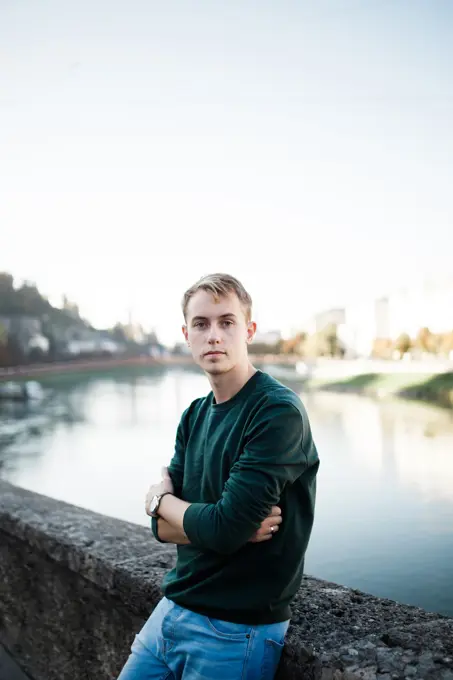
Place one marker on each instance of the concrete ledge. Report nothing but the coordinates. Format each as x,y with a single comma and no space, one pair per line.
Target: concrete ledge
75,586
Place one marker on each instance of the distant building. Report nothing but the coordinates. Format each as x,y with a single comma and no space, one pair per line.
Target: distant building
93,342
270,338
319,322
38,343
382,317
26,331
363,322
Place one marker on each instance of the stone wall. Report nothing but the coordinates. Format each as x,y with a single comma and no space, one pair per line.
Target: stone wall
75,586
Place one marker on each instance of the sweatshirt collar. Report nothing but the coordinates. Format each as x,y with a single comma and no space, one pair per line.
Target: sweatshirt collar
239,396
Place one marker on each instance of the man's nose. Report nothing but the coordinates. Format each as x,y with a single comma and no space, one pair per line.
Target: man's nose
214,335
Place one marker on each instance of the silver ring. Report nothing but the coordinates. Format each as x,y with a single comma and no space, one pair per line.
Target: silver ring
272,530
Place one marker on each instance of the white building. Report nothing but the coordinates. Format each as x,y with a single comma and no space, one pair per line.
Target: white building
39,342
363,322
93,344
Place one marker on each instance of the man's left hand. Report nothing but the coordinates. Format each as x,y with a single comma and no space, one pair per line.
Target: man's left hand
164,486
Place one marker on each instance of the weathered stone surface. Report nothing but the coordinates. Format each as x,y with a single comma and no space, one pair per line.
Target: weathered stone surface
75,586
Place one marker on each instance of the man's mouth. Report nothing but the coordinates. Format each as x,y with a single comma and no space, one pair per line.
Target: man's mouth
214,353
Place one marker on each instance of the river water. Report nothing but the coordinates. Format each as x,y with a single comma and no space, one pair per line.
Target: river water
384,516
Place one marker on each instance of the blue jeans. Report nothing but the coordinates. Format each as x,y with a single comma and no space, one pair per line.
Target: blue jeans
176,643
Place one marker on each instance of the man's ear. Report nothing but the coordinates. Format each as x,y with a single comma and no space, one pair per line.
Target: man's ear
185,333
251,330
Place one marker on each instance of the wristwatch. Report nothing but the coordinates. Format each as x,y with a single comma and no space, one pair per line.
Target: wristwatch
155,502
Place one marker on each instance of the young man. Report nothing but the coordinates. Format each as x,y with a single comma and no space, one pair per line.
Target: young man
238,500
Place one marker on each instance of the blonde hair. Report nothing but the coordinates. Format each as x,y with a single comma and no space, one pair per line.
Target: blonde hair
220,285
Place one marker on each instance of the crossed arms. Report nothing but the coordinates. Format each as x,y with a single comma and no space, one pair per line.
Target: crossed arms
170,530
273,456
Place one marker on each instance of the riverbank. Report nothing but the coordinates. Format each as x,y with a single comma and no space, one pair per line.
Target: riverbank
430,383
431,388
42,371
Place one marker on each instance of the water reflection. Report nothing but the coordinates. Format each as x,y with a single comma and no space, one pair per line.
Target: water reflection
24,427
384,519
409,441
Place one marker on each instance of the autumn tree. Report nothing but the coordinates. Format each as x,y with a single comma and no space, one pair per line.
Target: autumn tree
425,341
403,343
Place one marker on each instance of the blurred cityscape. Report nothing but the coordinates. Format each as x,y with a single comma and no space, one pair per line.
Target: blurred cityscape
34,331
411,323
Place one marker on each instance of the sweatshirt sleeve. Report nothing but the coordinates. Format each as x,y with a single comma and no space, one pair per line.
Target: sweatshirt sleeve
175,468
273,456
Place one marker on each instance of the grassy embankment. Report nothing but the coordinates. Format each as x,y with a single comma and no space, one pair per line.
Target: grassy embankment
432,388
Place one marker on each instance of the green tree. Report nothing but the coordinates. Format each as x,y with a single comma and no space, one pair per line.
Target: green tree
6,283
4,360
3,336
119,333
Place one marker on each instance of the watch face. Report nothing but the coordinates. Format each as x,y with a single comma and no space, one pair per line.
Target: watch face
154,504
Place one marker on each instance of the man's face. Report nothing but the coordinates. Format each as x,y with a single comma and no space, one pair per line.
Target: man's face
217,332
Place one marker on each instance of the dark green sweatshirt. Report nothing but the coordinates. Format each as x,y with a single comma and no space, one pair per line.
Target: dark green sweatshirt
232,462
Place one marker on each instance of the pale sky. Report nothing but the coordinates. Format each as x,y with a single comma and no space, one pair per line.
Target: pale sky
306,148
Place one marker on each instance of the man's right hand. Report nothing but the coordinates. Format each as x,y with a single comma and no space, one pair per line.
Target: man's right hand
269,526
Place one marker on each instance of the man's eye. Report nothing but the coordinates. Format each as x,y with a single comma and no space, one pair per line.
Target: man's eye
228,323
199,323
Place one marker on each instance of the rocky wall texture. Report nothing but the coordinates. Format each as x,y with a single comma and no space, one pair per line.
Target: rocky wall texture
75,587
